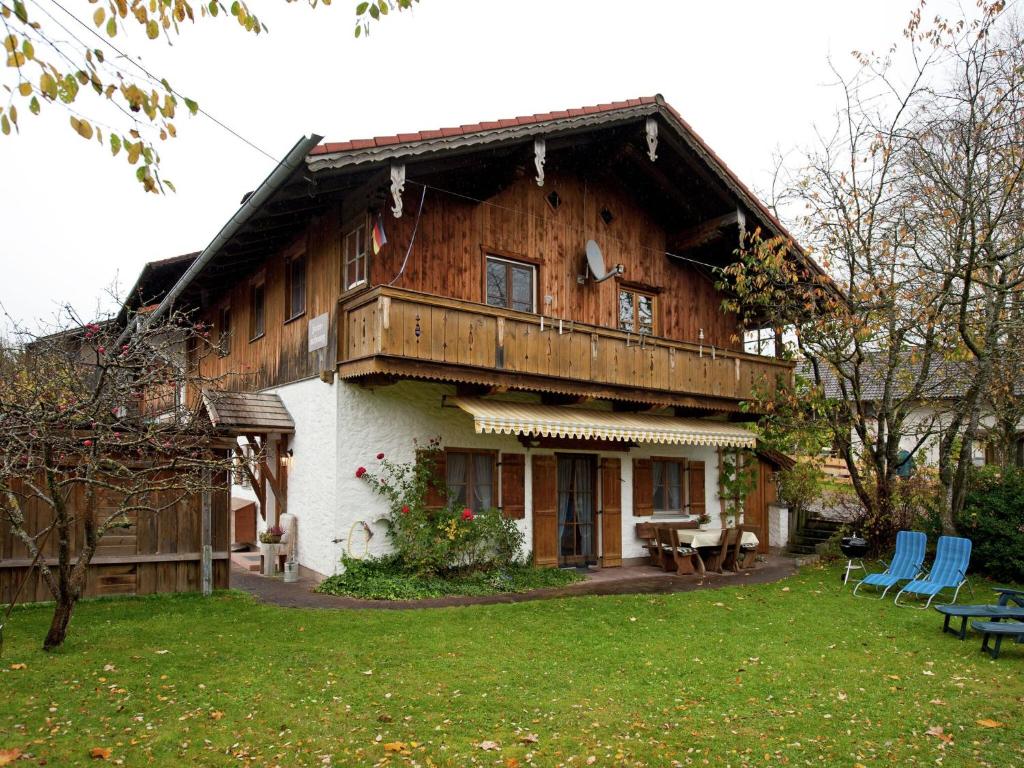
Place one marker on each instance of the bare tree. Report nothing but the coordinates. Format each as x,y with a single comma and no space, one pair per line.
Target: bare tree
92,437
912,204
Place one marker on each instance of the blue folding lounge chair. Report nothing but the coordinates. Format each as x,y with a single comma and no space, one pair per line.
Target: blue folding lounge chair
905,566
949,571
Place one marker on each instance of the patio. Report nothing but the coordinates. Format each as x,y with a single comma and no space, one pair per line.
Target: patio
627,580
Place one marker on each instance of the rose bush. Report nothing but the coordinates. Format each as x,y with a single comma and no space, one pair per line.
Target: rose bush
438,542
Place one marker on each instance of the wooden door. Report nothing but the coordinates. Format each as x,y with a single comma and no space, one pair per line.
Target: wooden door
611,513
755,508
545,511
577,509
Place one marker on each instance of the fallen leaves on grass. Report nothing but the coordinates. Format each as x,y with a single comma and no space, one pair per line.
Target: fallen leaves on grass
19,666
529,738
938,732
487,746
8,756
394,746
100,753
986,723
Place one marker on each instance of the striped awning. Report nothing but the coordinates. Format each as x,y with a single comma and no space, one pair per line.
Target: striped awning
509,418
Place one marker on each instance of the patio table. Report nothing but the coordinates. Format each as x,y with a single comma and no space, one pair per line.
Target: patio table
711,537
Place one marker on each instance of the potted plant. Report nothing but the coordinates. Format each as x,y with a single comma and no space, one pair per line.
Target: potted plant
703,520
272,535
270,547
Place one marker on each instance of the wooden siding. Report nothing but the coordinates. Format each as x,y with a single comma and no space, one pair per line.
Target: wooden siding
388,323
155,553
281,355
447,260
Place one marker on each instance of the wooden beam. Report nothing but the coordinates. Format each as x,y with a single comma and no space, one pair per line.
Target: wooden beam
257,487
704,233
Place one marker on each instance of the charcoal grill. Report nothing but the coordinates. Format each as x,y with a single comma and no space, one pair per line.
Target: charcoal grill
854,547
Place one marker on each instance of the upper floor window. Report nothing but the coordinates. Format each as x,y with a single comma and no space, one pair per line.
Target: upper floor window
511,284
224,332
295,286
355,256
636,311
257,310
471,478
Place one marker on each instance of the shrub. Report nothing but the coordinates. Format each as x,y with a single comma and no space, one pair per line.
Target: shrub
387,578
437,541
993,518
801,485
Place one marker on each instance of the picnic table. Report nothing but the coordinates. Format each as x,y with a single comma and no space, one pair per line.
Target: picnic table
711,536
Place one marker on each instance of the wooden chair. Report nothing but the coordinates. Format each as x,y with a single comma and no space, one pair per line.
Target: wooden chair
663,536
648,533
717,554
732,556
687,558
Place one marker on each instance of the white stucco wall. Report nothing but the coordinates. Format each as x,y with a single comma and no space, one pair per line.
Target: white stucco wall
921,435
340,427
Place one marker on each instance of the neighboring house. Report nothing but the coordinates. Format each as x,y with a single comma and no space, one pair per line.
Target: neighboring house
579,403
928,414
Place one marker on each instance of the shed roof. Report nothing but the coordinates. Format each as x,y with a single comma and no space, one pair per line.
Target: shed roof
247,412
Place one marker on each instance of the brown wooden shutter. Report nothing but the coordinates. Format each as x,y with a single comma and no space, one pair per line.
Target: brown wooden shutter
513,485
437,491
643,487
545,511
695,478
611,513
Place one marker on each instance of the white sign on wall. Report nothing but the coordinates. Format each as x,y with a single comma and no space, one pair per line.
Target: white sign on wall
318,332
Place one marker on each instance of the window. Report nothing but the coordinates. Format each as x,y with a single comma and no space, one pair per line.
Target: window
295,287
471,478
256,313
669,485
510,284
636,311
354,250
224,332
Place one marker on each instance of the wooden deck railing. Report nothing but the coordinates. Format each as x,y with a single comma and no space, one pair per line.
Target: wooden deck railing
399,324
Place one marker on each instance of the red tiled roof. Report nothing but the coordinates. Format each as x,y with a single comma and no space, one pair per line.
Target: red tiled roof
462,130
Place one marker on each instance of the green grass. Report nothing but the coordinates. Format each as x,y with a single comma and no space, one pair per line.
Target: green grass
793,673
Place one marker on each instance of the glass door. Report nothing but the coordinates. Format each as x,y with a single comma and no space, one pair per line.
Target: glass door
577,543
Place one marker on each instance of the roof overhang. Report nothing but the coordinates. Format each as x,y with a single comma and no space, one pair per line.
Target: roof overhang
247,413
511,418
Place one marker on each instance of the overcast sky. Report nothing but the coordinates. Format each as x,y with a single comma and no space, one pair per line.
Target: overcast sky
750,77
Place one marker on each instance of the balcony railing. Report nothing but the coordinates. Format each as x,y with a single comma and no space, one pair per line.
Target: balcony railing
390,330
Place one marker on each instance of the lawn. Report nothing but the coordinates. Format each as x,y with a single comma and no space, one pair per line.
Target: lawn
793,673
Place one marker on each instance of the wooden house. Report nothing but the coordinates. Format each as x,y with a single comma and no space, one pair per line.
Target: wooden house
582,396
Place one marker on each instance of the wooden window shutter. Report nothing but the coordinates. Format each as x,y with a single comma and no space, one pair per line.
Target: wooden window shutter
437,491
545,510
643,488
695,478
611,513
513,485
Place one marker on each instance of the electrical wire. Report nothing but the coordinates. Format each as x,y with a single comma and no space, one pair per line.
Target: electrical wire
553,222
156,79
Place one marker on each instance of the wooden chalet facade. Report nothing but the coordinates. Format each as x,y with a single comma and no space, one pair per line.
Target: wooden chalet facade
579,406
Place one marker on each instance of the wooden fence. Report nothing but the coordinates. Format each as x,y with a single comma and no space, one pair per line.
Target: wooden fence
153,552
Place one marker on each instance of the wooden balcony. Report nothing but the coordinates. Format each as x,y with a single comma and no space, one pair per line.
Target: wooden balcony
390,332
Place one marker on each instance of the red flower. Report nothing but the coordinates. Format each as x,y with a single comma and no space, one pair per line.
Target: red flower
87,443
380,456
405,509
361,471
467,514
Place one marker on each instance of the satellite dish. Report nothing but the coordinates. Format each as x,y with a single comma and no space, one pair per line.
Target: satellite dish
595,261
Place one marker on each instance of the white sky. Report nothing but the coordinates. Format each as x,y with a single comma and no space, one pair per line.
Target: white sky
751,77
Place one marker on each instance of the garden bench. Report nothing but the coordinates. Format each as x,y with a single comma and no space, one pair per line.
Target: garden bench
1001,610
999,630
648,533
